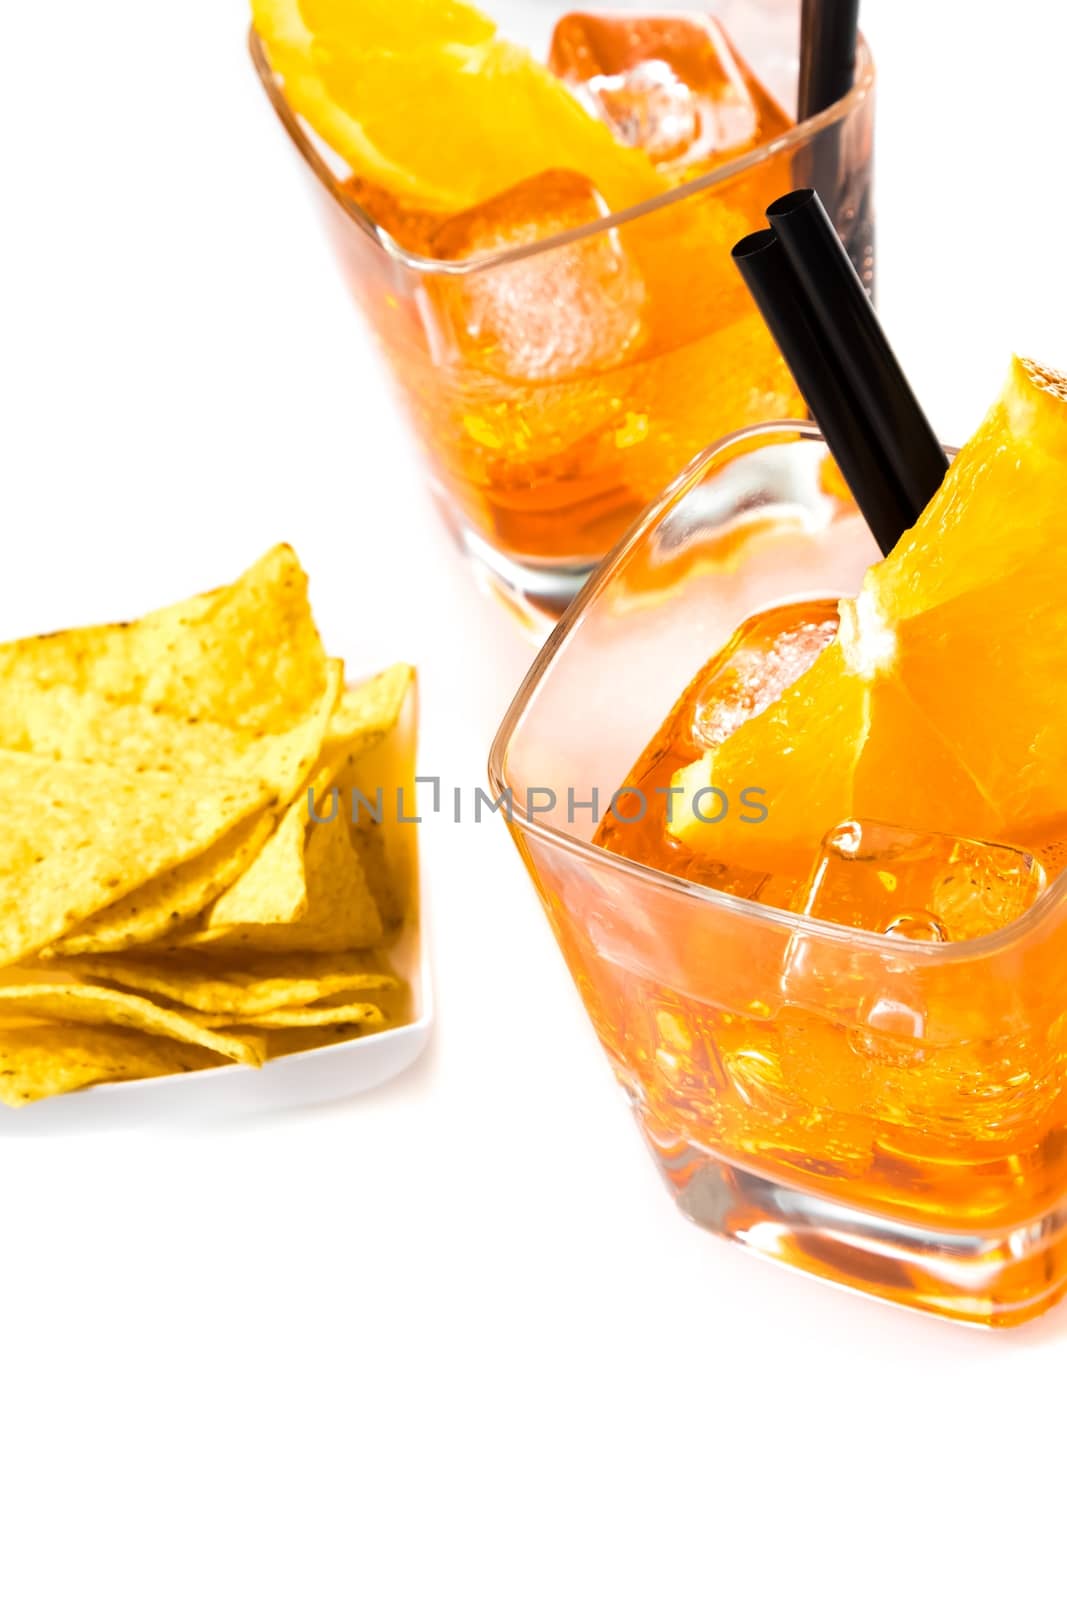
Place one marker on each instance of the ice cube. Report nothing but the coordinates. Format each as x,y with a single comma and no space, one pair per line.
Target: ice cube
766,654
931,887
649,106
926,888
560,313
673,85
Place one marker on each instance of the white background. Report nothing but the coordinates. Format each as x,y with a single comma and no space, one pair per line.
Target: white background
453,1336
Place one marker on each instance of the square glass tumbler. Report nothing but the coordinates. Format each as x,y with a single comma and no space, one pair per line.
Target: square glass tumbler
557,384
891,1115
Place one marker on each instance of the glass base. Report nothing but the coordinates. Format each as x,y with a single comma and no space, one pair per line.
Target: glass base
537,593
995,1279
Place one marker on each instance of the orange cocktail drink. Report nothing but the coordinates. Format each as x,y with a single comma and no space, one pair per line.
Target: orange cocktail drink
540,241
816,915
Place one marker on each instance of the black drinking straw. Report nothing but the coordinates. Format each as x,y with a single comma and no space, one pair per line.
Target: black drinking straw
828,30
829,34
848,327
853,443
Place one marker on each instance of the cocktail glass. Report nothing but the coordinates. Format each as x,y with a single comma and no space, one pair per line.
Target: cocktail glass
888,1114
542,446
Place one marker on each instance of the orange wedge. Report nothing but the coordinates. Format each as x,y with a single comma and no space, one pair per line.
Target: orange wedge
996,521
940,704
422,98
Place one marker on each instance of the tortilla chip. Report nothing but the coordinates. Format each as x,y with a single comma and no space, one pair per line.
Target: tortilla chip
366,712
160,905
275,889
387,847
278,1042
56,1058
299,1041
286,760
157,907
368,841
339,914
76,837
73,724
247,656
237,986
352,1012
90,1003
131,698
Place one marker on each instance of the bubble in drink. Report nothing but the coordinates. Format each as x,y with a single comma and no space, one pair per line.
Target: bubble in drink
1052,854
563,312
931,887
674,86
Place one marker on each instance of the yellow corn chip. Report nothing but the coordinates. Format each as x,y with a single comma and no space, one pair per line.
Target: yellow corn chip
326,1016
339,913
246,656
157,907
74,724
91,1003
237,986
366,712
292,1041
368,841
56,1058
275,889
295,1041
77,837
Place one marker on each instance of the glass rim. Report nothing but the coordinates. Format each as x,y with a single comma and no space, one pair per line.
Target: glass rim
785,431
795,137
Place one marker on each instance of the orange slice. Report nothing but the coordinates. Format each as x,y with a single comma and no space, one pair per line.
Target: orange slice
940,704
996,520
422,98
837,744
